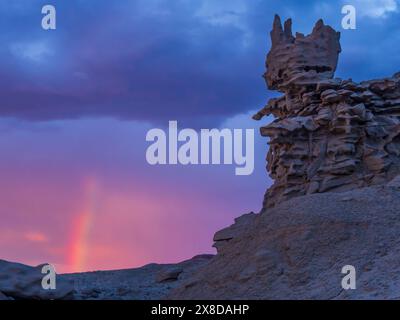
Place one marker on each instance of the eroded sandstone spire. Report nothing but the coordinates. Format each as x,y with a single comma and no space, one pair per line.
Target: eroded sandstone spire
329,134
296,61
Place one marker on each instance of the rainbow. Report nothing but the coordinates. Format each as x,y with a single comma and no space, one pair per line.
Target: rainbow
81,227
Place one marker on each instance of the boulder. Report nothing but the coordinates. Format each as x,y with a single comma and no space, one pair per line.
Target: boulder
169,274
20,281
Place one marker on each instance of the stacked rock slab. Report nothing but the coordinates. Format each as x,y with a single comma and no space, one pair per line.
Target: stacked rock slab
328,134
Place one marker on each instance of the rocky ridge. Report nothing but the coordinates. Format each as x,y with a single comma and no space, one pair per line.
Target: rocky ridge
297,250
152,281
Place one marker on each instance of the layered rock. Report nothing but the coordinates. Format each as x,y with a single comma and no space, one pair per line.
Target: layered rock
329,134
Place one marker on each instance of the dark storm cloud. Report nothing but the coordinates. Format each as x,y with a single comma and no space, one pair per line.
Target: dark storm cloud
156,60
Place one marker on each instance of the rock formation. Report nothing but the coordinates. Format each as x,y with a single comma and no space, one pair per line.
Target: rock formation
19,281
297,249
329,134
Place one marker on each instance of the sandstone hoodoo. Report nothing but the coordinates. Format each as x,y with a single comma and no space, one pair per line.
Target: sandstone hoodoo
335,159
329,134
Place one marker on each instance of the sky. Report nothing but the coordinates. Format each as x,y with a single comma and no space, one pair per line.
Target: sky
76,103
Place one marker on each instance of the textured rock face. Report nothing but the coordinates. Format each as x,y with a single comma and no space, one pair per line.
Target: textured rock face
296,61
329,134
297,250
18,281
